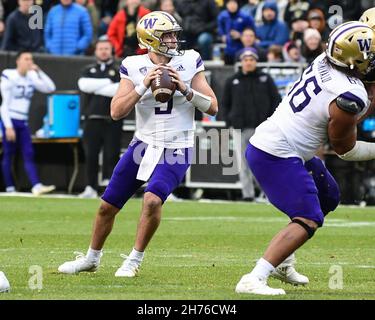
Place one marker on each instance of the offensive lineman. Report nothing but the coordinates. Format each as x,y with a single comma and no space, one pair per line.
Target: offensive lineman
164,132
325,104
17,88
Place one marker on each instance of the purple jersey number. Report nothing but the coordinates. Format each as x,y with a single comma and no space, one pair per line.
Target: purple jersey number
166,111
24,92
303,90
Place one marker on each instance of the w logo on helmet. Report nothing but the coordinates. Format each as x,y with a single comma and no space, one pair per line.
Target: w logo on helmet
149,23
364,44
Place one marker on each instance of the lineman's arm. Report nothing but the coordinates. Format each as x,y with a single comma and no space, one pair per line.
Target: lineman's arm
342,133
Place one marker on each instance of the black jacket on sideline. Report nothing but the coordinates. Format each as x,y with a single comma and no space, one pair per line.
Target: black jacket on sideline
198,15
18,35
249,99
97,105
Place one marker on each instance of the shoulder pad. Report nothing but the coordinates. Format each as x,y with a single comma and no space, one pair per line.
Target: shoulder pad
349,105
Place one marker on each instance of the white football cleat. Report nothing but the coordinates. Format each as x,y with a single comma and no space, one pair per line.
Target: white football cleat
88,193
4,283
10,190
288,274
253,285
80,264
129,269
40,189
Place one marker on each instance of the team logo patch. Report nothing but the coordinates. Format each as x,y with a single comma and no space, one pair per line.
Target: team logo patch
236,82
263,78
149,23
92,70
112,73
364,44
143,70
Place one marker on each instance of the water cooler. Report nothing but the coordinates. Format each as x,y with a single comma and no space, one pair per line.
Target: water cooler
63,115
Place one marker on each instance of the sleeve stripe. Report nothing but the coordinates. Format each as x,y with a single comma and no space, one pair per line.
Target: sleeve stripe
124,71
3,75
199,62
350,96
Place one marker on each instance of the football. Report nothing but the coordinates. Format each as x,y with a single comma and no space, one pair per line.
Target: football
162,87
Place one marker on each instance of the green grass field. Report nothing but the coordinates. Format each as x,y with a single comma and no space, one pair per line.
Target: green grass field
199,252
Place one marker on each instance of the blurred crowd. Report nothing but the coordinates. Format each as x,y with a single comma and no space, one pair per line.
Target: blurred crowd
282,30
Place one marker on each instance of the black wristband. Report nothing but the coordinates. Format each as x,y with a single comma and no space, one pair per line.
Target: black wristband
186,92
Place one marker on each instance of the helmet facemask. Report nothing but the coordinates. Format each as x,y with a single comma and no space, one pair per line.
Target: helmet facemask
165,46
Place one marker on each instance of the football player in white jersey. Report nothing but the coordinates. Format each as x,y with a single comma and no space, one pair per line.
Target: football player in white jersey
160,152
325,104
17,89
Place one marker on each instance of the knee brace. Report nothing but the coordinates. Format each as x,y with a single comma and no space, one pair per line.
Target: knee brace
310,231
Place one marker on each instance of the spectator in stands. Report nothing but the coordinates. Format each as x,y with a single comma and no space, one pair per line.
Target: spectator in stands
168,6
250,97
199,24
2,26
250,7
281,6
248,39
108,9
312,45
17,88
231,23
296,17
322,5
272,31
317,21
296,10
99,82
351,9
292,53
152,5
18,35
122,29
94,15
275,54
68,29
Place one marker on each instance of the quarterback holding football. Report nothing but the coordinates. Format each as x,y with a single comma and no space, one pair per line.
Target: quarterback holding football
161,150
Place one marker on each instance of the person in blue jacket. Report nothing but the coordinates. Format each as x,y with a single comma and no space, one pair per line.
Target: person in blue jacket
68,29
231,23
272,31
